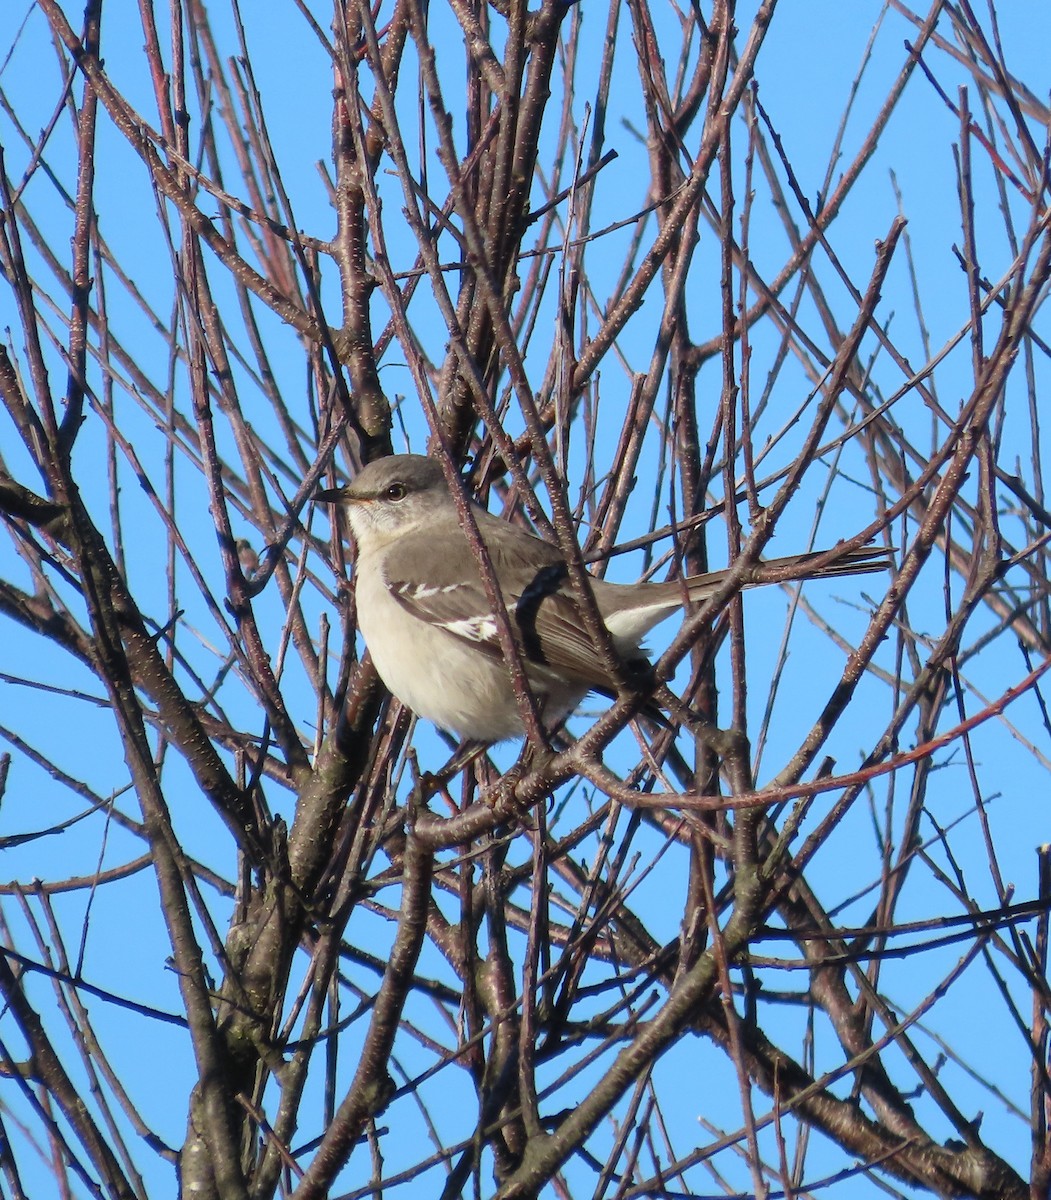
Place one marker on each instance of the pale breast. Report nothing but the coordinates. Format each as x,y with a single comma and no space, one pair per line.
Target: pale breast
437,675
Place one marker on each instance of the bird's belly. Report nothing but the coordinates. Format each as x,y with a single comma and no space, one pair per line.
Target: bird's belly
439,676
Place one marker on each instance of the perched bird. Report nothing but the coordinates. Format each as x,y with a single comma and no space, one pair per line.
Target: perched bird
429,626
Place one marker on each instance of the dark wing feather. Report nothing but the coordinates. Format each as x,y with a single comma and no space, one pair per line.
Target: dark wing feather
454,599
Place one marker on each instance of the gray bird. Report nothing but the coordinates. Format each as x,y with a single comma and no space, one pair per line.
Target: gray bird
427,621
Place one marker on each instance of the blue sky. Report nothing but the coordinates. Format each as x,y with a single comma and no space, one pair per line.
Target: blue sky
805,72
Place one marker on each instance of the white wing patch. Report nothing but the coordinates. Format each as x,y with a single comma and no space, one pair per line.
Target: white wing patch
423,591
455,607
473,629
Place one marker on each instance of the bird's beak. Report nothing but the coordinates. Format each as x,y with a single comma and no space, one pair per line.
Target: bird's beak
328,496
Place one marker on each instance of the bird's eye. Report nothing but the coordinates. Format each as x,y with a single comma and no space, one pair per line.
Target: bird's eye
396,491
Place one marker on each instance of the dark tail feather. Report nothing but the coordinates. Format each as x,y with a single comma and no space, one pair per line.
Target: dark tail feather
862,560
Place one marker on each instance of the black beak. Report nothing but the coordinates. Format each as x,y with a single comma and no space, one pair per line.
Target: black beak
327,496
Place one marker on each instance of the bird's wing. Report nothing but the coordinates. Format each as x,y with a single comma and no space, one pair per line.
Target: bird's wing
535,590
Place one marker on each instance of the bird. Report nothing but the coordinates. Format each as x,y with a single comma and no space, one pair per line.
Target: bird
427,621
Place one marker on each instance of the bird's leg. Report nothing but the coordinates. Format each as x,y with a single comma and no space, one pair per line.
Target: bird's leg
680,711
463,756
530,759
431,782
725,742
